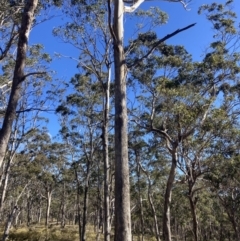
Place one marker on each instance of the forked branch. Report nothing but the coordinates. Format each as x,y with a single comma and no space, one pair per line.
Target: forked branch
135,4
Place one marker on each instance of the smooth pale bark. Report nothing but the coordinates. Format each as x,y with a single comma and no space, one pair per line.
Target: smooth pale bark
4,185
167,235
122,196
107,226
49,200
18,77
9,223
12,215
157,233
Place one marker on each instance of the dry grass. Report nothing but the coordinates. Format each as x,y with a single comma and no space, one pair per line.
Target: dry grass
55,233
40,233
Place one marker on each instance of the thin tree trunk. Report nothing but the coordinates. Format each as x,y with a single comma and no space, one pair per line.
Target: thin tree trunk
194,217
63,208
167,235
4,186
18,76
16,218
39,214
5,176
79,214
139,195
29,210
157,234
9,223
107,228
49,199
39,210
122,196
85,205
11,216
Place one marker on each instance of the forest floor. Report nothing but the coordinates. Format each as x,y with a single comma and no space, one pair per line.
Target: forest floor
53,233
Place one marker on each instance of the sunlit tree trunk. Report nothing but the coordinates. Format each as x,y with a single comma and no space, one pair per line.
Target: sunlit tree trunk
49,200
18,76
107,226
122,197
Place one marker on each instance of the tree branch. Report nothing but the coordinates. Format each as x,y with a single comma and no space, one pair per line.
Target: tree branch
110,21
130,9
158,43
32,109
34,73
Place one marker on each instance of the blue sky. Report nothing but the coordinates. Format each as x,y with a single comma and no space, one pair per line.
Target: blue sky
195,39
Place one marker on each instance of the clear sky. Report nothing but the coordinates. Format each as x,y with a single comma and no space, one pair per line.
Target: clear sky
195,39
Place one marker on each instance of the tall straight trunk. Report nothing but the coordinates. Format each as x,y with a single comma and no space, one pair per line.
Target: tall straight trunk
194,216
79,213
107,227
139,196
29,210
5,174
49,199
157,234
85,205
167,235
63,207
4,186
18,76
122,196
39,214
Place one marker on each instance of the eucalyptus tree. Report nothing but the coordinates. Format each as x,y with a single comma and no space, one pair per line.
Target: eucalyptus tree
18,77
181,100
44,164
32,102
148,172
224,178
95,61
122,198
9,18
82,133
